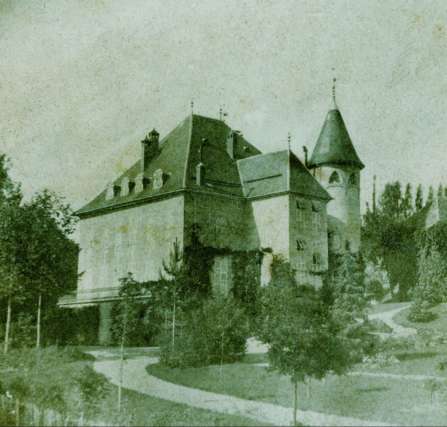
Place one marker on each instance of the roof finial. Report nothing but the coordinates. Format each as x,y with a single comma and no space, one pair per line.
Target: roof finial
289,138
220,112
192,106
334,101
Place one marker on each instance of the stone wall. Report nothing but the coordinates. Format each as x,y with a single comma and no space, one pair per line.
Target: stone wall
133,240
308,239
343,184
222,220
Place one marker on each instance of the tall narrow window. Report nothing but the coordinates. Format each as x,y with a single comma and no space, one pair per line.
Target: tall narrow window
352,179
334,178
300,245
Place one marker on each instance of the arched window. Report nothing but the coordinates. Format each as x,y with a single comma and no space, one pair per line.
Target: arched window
316,259
352,179
334,178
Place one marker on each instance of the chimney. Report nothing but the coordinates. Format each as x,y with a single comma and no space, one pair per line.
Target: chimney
231,143
149,148
200,174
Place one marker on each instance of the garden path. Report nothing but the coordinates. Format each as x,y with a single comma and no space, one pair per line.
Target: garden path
135,377
387,317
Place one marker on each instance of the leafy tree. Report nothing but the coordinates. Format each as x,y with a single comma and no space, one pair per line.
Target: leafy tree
407,202
92,388
304,341
12,244
431,196
349,291
49,266
214,332
419,201
171,277
389,234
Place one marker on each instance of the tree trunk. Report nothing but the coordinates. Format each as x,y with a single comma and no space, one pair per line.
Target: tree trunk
173,326
295,401
39,309
8,326
221,355
123,337
17,412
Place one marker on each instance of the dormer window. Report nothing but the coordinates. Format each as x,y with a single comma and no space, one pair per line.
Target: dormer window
158,179
334,178
131,187
146,181
316,207
116,190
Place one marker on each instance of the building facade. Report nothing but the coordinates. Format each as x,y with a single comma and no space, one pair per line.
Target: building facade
205,176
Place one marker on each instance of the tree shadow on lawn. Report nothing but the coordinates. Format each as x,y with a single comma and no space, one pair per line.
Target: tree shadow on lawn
415,356
371,389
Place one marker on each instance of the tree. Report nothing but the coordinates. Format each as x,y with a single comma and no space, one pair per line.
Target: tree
407,202
419,201
172,276
304,341
92,388
12,244
49,265
126,318
348,287
431,196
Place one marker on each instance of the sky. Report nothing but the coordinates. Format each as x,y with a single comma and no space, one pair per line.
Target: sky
82,82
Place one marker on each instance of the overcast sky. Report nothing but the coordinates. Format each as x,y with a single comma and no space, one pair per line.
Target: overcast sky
81,82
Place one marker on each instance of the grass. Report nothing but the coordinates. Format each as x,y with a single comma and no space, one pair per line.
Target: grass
144,410
375,399
59,366
438,325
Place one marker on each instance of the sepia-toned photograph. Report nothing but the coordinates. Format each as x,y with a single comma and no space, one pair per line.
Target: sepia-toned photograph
223,213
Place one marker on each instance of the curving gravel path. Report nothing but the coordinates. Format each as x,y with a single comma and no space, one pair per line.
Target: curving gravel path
136,378
387,317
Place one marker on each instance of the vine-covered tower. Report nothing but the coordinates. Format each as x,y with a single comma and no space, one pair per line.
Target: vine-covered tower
337,166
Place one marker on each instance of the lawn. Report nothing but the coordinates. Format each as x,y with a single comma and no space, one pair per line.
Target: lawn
60,366
398,401
438,325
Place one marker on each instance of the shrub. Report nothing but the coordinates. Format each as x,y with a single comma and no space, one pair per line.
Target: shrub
420,313
215,332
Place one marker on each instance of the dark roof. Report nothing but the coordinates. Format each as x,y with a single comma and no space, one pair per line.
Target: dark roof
278,172
178,157
334,146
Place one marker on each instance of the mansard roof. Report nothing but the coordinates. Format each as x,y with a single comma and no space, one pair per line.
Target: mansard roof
177,159
278,172
334,145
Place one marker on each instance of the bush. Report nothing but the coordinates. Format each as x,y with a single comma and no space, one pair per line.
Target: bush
419,313
377,325
216,332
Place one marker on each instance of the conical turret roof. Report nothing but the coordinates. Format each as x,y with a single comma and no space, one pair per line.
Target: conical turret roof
334,145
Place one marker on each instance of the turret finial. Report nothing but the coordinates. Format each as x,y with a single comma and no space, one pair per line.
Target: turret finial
334,101
289,139
192,106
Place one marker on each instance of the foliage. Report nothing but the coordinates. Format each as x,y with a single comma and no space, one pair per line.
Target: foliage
246,283
303,340
92,387
420,313
347,283
431,285
215,332
389,235
377,282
